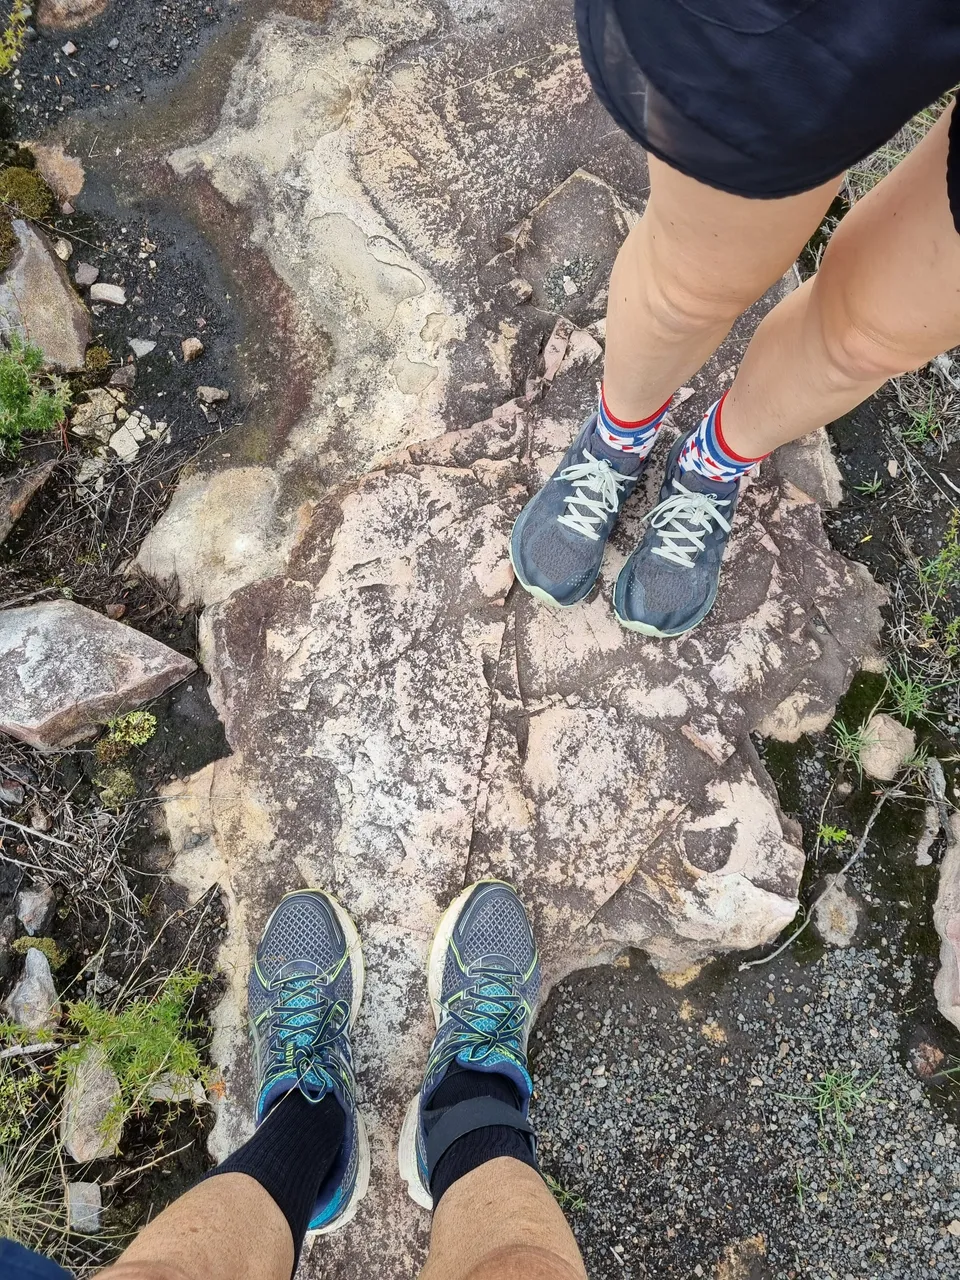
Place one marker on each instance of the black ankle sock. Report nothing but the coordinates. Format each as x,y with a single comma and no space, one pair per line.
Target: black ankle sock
291,1154
474,1149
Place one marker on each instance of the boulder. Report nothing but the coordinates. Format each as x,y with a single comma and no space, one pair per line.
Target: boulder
946,920
889,745
837,912
91,1123
16,492
33,1001
37,301
84,1206
65,670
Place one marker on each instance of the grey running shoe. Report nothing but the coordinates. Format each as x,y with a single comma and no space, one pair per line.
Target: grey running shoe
557,543
670,582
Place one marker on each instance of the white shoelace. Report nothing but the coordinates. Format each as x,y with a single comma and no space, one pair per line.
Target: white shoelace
598,475
683,522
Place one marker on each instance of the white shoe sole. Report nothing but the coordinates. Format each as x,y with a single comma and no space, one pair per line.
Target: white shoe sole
407,1150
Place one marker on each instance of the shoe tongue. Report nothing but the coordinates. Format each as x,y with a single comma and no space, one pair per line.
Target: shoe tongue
698,483
627,464
296,969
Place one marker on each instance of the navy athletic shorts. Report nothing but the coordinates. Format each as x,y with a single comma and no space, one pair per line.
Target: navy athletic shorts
18,1263
769,98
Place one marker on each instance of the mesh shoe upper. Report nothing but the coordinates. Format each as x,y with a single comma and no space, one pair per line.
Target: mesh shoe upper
558,540
488,997
670,582
302,993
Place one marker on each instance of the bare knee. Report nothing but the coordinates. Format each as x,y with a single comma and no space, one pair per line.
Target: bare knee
860,351
524,1262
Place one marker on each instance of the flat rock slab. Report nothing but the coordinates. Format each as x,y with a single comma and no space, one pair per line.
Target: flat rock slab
446,202
16,492
90,1125
65,670
38,302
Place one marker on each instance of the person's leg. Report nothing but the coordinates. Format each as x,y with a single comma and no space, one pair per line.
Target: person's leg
307,1165
885,300
467,1148
227,1228
500,1222
696,259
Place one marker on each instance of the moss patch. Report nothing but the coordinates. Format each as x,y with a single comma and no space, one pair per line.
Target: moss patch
26,193
8,242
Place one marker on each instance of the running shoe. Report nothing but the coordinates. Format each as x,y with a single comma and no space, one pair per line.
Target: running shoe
484,982
304,993
557,543
670,582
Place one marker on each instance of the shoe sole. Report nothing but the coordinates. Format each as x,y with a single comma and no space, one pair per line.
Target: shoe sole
646,629
355,952
407,1148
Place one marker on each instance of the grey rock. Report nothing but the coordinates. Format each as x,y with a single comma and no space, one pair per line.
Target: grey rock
946,920
125,377
177,1089
84,1206
63,249
837,912
37,301
141,346
889,745
69,49
212,395
34,907
86,274
11,793
64,670
33,1001
104,292
113,43
90,1126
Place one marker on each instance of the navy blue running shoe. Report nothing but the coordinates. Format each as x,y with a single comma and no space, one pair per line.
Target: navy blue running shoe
670,583
556,547
304,993
484,982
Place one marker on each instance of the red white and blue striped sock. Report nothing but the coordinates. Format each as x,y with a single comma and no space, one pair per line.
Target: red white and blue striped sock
635,438
707,453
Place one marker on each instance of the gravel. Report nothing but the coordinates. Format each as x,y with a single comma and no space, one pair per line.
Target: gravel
685,1123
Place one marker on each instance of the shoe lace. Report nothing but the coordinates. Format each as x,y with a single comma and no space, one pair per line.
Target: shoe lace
489,1016
683,522
302,1033
597,475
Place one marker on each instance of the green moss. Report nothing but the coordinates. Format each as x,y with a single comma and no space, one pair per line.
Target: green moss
135,729
117,788
97,359
46,946
26,193
8,241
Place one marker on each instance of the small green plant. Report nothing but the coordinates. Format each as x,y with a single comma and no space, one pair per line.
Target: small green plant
46,946
850,744
30,402
943,571
13,36
833,1098
146,1039
564,1198
800,1188
117,788
18,1094
924,422
869,488
135,729
908,696
832,836
25,193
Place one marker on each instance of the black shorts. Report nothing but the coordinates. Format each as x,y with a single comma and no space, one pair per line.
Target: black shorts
769,98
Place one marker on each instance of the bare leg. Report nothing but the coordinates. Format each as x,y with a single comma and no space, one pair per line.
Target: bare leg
697,258
226,1228
886,300
500,1222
